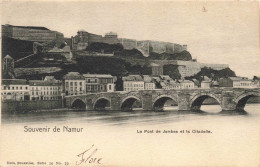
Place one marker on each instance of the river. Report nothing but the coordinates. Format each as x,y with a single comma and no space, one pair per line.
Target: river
229,139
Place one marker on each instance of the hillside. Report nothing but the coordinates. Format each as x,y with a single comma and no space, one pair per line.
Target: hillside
184,55
16,48
119,51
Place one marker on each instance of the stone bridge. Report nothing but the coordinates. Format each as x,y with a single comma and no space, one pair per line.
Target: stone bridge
187,99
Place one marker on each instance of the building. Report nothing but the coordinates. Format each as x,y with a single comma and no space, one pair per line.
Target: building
156,69
133,83
205,85
236,82
84,39
149,83
75,84
30,33
111,38
99,83
8,67
215,84
15,90
47,89
186,84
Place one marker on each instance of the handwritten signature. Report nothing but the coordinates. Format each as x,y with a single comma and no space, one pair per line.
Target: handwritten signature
88,156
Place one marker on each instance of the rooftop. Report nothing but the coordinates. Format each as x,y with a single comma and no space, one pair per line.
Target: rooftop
238,78
73,76
185,81
43,83
111,33
147,78
154,65
133,78
28,27
97,75
14,82
8,57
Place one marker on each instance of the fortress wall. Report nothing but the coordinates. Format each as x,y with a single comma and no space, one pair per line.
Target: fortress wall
177,48
143,46
7,31
33,34
128,43
154,46
92,38
110,40
158,47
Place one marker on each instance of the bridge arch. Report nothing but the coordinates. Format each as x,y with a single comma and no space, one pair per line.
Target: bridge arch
159,102
198,99
242,99
79,104
127,103
101,103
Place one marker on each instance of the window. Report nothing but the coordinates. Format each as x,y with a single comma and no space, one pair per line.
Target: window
71,83
21,87
76,84
80,83
110,87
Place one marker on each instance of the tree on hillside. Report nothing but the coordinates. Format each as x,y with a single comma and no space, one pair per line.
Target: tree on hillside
213,74
184,55
133,54
172,71
104,48
227,72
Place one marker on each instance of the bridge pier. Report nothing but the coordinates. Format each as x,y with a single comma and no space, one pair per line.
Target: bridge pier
115,104
89,105
227,103
184,102
147,102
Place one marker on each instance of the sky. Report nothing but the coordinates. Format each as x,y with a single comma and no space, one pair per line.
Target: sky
215,32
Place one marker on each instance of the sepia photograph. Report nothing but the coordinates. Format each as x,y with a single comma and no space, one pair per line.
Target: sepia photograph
130,83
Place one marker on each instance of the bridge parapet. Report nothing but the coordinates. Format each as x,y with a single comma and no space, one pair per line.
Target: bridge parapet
187,99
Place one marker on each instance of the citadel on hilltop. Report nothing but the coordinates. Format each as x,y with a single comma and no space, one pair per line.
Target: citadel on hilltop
30,33
83,39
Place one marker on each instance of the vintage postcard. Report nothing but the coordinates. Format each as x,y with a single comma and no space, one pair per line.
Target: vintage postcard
130,83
